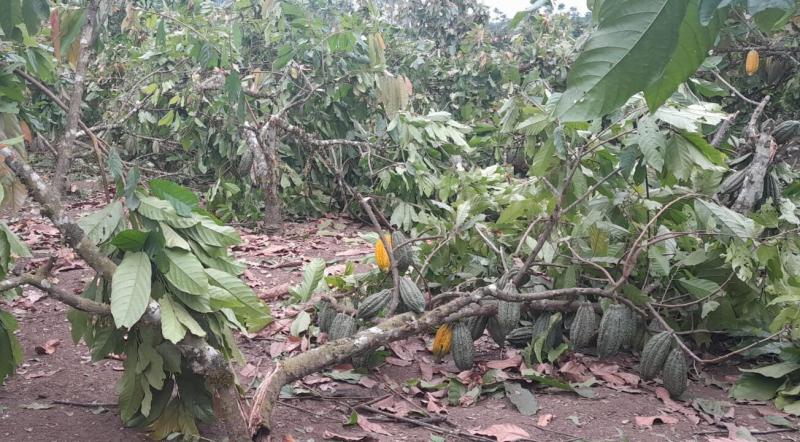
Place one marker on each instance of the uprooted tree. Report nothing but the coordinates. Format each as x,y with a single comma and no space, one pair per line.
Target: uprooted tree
653,191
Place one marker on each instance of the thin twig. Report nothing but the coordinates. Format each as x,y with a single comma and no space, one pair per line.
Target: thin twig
84,404
420,423
733,88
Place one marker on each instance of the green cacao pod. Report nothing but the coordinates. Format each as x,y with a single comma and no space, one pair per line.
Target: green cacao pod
411,295
496,331
342,327
477,324
402,254
785,131
325,316
629,327
675,373
584,326
462,347
508,314
520,337
654,354
373,304
612,331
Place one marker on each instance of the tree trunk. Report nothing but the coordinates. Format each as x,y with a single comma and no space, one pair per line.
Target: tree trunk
273,213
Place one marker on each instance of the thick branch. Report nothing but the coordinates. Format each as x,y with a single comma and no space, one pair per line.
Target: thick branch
753,184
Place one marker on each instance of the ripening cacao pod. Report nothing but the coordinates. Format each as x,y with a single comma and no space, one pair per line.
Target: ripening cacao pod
520,337
403,254
654,354
496,331
675,373
612,332
477,324
462,347
342,327
442,341
325,316
411,296
373,304
584,326
381,255
751,62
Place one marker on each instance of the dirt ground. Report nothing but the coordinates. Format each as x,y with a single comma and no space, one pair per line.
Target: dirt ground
58,394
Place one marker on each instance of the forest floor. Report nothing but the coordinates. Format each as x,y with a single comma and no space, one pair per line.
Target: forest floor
58,394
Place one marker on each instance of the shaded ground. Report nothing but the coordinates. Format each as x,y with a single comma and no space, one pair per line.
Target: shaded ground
28,411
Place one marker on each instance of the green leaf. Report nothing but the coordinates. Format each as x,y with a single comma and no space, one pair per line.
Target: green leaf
543,159
754,387
728,221
652,143
10,350
172,238
708,9
522,398
130,289
775,371
694,41
300,323
622,57
16,246
186,273
130,240
698,287
207,232
171,327
255,313
312,275
183,199
155,208
99,226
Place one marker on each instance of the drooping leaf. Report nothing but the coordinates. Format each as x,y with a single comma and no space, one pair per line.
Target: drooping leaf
130,240
171,327
99,226
728,221
183,199
130,289
186,273
629,50
312,275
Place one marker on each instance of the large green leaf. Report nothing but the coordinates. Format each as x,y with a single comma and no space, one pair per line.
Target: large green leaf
171,327
99,226
10,351
207,232
16,246
708,9
652,143
186,273
627,52
312,275
172,238
181,198
694,41
255,313
130,289
727,221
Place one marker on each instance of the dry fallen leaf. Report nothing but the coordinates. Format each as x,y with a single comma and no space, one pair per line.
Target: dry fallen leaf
544,420
648,421
48,348
574,371
398,362
371,427
512,362
503,432
672,405
348,438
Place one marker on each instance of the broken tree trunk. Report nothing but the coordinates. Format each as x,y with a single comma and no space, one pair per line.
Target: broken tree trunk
265,173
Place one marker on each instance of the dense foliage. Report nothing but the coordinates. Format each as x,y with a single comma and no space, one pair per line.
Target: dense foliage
548,134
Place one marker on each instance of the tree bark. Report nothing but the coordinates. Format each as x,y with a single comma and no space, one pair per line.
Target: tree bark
273,211
60,177
753,184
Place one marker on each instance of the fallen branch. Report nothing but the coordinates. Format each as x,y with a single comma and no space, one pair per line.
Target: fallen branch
420,423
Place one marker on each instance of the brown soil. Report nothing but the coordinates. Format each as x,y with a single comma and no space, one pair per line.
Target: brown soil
27,411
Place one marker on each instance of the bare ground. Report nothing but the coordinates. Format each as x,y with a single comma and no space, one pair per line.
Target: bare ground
28,411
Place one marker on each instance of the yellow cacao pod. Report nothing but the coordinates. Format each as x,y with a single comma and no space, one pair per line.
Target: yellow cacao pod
751,62
442,341
381,256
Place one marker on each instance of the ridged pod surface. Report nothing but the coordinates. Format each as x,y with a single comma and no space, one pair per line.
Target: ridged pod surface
629,327
381,255
520,337
402,254
496,331
342,327
751,62
584,326
463,349
612,331
411,296
477,324
675,373
540,327
786,130
325,316
654,354
442,341
373,304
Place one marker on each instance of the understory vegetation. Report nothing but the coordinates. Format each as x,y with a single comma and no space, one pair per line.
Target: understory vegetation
621,180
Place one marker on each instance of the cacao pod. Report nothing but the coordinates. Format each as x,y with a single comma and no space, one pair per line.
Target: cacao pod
462,347
785,131
654,354
496,331
381,255
584,326
520,337
442,341
675,373
629,326
373,304
342,327
751,62
403,254
325,316
411,296
612,331
477,324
